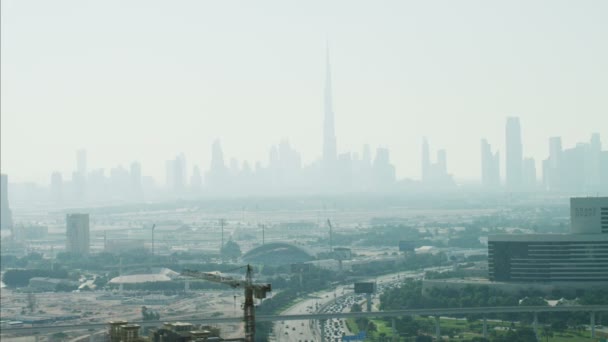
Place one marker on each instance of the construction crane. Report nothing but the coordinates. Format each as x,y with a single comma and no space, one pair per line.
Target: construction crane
251,290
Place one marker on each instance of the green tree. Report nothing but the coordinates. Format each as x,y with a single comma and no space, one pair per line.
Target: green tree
231,250
547,332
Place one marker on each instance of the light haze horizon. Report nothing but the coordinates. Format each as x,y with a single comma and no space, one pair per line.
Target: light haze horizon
78,75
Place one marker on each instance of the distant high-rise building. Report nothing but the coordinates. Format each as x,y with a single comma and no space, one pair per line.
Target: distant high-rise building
56,187
577,169
329,134
490,166
367,155
576,260
426,160
196,180
136,185
555,151
77,233
384,171
217,177
529,173
552,166
176,173
435,174
572,171
6,216
81,162
79,177
593,163
514,155
604,171
442,162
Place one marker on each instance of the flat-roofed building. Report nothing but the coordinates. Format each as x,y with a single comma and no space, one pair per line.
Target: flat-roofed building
548,257
581,256
589,215
77,233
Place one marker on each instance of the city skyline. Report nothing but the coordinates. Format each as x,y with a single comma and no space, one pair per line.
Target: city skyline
395,81
431,172
578,169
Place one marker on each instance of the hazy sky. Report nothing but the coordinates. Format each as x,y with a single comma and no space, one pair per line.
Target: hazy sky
146,80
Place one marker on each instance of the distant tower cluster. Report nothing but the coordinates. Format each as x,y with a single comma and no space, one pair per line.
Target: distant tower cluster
514,155
435,174
490,166
77,233
582,168
520,171
56,188
79,177
176,173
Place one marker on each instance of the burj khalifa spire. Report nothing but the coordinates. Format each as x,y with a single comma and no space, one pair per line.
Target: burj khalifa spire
329,134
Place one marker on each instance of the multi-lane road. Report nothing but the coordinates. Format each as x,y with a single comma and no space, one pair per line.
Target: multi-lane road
321,316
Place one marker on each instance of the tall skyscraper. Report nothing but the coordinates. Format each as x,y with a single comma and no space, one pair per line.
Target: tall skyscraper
196,180
529,173
490,166
329,134
593,163
6,216
442,161
217,177
435,174
79,177
384,171
81,162
77,233
426,160
552,166
177,173
136,186
514,154
56,187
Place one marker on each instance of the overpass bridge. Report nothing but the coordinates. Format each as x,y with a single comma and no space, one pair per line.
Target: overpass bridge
436,312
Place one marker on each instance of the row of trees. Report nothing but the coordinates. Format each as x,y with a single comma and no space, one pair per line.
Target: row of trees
21,277
410,295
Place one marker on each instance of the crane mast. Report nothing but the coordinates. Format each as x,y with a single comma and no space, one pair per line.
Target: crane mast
251,289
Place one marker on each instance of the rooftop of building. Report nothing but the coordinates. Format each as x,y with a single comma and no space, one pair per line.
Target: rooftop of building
548,237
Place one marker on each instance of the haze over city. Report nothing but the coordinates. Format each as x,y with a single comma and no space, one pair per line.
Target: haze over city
303,171
125,88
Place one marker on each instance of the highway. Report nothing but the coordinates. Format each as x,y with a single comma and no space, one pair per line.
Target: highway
23,331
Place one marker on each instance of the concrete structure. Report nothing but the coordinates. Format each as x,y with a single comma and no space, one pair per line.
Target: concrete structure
180,332
121,331
592,309
589,215
123,245
77,233
278,253
581,256
30,232
49,284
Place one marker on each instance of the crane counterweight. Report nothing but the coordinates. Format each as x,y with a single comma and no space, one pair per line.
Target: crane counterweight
252,290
